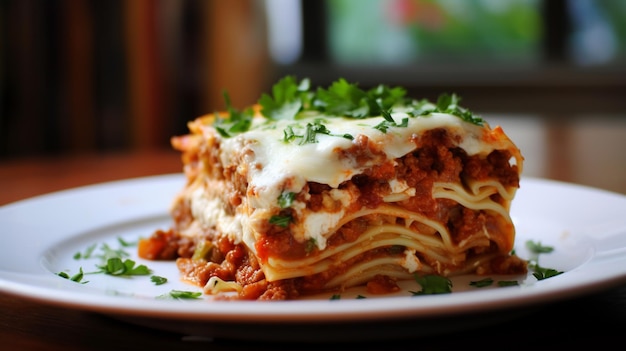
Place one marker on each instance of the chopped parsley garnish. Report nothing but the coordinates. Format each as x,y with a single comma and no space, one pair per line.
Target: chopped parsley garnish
508,283
291,99
489,281
108,252
281,221
447,103
125,243
181,295
128,267
312,129
342,99
536,248
78,277
542,273
349,100
338,297
86,254
286,199
539,272
113,262
309,135
236,122
481,283
158,280
384,125
287,100
433,284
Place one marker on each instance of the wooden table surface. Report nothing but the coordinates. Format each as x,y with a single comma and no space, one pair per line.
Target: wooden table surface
590,151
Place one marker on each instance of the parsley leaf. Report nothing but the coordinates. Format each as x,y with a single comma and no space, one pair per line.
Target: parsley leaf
481,283
158,280
125,243
281,221
388,96
347,99
287,99
236,121
290,99
310,132
108,252
87,254
536,247
542,273
342,99
433,284
508,282
312,129
286,199
78,277
384,125
115,266
180,295
449,103
114,262
489,281
539,272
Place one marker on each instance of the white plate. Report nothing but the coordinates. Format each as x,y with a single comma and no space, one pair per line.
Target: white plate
586,226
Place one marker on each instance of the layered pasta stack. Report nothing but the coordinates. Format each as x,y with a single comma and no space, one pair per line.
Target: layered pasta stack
321,190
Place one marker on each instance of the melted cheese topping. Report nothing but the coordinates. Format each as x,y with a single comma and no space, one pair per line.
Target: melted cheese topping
273,161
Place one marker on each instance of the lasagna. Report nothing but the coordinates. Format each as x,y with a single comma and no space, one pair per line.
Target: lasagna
320,190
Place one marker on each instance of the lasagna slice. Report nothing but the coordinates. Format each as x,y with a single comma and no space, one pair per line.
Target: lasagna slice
312,191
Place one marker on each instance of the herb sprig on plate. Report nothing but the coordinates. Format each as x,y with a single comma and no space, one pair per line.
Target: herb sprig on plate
116,262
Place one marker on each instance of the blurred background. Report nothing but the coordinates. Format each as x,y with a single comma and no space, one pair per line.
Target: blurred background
87,75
